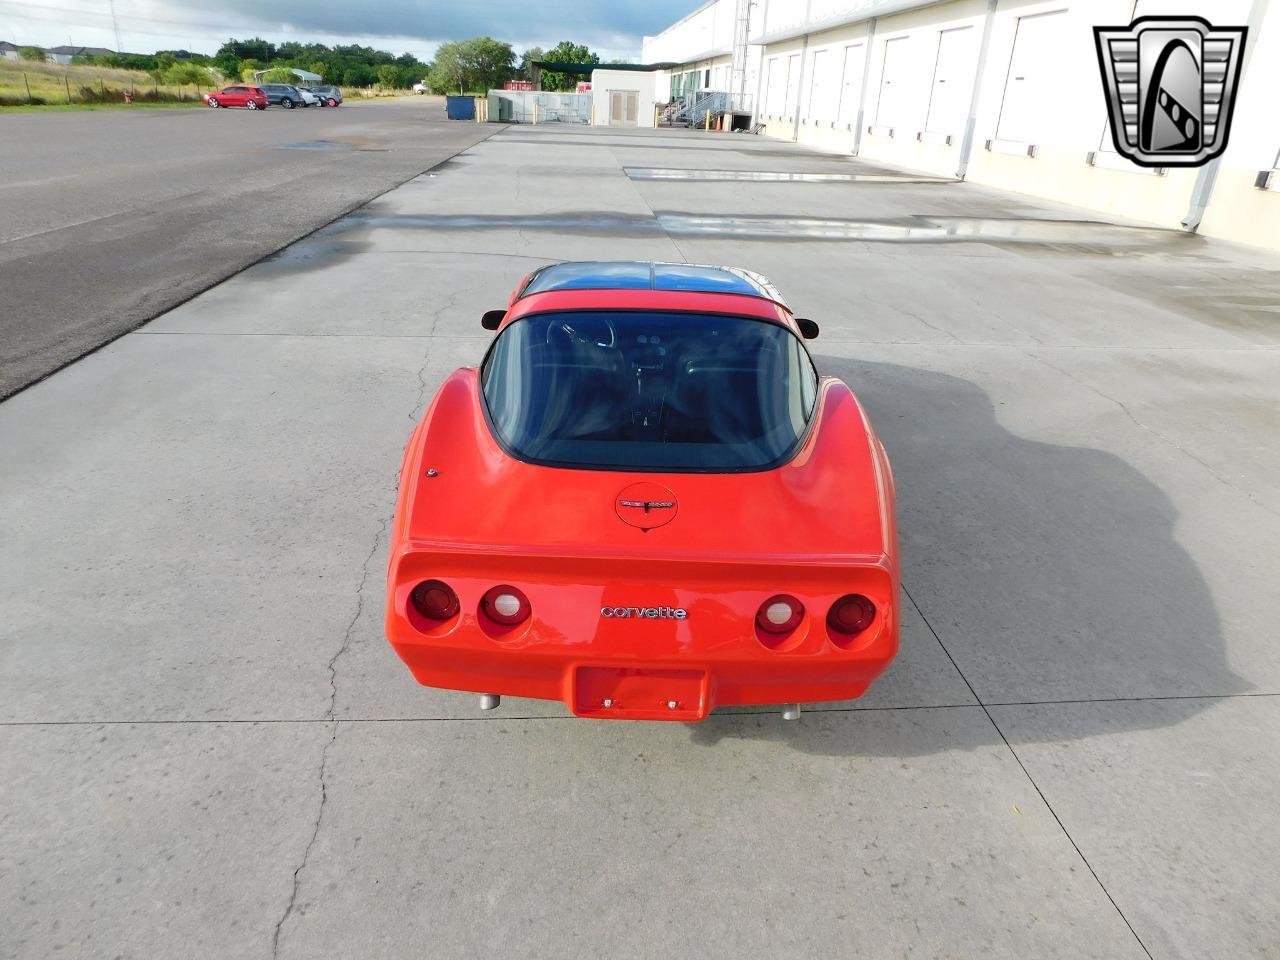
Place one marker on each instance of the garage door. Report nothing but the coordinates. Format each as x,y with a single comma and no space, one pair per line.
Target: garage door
952,82
855,58
1035,75
772,87
793,86
891,102
819,100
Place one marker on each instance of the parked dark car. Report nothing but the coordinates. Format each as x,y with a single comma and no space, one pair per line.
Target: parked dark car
330,96
285,94
251,98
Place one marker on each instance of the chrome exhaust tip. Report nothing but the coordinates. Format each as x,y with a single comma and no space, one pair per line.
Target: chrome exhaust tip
489,701
791,711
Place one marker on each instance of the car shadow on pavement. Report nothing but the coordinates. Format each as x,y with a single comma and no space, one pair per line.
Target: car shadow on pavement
1049,573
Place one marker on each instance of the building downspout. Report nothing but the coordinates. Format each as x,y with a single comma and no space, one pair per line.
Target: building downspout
866,82
804,62
970,124
804,57
1202,192
764,49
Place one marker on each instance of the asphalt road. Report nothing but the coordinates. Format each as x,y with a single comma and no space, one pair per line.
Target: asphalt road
208,749
111,217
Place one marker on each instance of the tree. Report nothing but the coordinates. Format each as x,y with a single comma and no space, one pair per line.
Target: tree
478,64
358,75
526,62
566,52
492,62
31,53
279,75
389,76
449,71
350,64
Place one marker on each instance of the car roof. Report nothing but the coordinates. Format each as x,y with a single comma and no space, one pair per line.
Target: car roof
646,275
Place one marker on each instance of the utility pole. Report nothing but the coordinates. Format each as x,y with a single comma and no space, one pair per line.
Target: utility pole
115,25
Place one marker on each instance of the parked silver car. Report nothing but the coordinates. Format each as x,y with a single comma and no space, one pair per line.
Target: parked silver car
330,96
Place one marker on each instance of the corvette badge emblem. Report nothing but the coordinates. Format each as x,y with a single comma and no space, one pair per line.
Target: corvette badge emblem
644,613
646,505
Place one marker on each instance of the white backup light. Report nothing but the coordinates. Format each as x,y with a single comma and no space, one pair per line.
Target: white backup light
506,604
778,613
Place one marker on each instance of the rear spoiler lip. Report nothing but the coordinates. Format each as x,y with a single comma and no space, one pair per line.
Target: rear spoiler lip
460,548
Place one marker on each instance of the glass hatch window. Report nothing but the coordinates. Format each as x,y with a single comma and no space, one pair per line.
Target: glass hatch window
649,391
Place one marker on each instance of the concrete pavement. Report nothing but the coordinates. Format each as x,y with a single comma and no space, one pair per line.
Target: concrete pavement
208,748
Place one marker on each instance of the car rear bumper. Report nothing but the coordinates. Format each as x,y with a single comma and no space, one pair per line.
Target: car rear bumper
651,670
618,688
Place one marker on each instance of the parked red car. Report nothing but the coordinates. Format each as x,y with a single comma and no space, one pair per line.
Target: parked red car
251,98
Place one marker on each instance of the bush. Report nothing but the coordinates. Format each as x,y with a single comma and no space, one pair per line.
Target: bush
98,95
187,74
21,101
31,53
148,96
279,75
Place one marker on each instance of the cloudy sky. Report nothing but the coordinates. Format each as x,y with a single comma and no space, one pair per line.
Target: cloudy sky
613,28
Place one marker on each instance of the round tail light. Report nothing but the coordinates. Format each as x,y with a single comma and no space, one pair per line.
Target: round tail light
434,599
850,615
506,605
780,614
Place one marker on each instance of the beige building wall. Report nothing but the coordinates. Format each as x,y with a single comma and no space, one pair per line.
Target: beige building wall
604,83
1238,209
900,89
702,44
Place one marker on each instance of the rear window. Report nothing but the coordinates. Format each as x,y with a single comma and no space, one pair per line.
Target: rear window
649,391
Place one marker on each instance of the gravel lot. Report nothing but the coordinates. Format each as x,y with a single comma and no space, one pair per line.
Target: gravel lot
112,217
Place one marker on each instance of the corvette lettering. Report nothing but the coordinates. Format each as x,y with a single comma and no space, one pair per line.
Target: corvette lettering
644,613
647,505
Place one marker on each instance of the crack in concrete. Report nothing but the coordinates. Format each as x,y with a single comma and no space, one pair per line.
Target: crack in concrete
331,716
1025,772
648,206
449,303
1168,441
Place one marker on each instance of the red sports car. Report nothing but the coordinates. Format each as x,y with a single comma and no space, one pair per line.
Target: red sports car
645,503
252,98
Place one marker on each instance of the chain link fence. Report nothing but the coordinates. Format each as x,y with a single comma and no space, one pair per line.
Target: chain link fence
535,106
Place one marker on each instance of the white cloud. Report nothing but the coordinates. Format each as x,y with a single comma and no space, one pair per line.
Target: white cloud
612,29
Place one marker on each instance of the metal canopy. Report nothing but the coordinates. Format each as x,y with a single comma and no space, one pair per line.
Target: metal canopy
586,69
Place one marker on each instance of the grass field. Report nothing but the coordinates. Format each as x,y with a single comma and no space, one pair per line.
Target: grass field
49,86
23,82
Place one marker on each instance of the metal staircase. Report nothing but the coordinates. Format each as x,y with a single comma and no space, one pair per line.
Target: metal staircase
692,109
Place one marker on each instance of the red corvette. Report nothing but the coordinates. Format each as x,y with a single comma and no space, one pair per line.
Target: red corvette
645,503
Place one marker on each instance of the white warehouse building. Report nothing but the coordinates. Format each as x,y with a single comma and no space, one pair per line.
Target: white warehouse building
1000,92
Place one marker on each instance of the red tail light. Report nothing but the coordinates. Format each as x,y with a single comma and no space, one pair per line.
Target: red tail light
505,605
780,614
434,599
850,615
